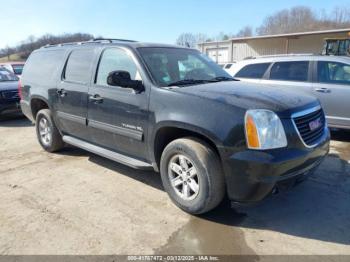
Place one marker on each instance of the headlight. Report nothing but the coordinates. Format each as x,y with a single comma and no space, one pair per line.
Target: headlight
264,130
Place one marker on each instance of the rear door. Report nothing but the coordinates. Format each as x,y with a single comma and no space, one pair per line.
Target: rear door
118,117
332,87
252,72
291,75
72,93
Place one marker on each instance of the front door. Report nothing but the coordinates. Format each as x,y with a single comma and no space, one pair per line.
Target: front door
118,117
332,88
72,93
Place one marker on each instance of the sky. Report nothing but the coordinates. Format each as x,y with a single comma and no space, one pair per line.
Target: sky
143,20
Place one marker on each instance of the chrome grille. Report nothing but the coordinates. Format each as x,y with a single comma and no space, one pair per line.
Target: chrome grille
10,95
311,126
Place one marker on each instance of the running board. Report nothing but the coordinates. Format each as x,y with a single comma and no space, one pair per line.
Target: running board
125,160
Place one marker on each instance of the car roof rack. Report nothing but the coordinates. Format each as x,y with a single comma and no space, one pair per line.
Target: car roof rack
92,41
279,55
63,44
111,40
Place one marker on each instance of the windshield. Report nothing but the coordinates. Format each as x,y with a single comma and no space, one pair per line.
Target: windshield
177,66
6,75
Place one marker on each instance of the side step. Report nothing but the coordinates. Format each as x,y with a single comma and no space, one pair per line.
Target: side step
125,160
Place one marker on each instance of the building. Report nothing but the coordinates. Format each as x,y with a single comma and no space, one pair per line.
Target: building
237,49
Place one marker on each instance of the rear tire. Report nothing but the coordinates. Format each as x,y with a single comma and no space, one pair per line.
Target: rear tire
48,135
192,175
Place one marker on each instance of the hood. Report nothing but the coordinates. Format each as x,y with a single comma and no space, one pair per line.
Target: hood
253,96
8,85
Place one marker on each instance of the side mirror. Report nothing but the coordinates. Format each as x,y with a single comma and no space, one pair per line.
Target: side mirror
123,79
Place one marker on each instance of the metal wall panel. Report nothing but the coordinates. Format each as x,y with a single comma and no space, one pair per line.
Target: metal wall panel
238,50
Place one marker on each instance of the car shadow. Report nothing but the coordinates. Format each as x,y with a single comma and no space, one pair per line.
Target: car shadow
316,209
340,135
149,178
14,121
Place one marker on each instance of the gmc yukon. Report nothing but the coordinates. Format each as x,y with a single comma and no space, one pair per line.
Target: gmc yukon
173,110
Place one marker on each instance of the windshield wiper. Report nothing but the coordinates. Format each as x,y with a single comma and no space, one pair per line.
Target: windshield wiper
222,78
201,81
188,82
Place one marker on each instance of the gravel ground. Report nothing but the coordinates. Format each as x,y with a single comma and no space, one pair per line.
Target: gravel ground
75,202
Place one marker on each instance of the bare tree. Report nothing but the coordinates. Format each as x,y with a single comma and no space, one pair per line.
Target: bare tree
245,32
8,52
301,19
191,40
201,38
341,15
32,43
187,39
221,36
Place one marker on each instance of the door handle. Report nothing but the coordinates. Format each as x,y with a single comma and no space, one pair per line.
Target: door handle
323,90
61,92
97,99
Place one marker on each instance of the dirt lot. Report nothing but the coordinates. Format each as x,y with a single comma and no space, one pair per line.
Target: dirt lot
77,203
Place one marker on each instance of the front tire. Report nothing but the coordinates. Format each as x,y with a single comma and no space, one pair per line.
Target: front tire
192,175
48,135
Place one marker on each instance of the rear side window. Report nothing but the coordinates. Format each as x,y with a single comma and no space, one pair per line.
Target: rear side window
333,72
78,67
17,69
290,71
43,66
228,66
255,71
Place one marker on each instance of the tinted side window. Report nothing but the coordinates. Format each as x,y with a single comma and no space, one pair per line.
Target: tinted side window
43,66
79,65
116,59
255,71
290,71
17,69
333,72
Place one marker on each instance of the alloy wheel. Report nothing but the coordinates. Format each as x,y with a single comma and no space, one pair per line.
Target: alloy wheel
183,177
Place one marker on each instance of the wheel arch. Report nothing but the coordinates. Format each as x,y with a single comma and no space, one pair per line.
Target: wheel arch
37,103
168,132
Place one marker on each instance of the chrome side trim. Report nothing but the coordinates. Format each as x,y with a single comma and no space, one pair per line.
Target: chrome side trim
134,134
306,111
338,118
70,117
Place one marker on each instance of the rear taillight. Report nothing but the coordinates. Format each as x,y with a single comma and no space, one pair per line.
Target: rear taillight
20,89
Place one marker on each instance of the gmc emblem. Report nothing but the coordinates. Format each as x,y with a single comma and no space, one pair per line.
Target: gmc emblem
315,124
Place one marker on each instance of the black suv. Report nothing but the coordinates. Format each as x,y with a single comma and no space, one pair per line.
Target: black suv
173,110
9,97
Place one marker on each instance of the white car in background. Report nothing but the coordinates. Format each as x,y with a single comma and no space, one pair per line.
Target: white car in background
326,77
228,67
14,67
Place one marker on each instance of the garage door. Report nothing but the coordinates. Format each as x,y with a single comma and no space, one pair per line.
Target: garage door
221,53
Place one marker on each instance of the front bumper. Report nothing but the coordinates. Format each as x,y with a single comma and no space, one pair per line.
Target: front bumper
253,175
11,107
25,106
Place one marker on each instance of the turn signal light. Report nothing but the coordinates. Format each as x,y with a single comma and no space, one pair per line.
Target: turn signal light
252,133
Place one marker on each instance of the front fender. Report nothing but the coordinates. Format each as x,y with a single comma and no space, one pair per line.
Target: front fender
186,126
